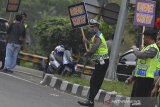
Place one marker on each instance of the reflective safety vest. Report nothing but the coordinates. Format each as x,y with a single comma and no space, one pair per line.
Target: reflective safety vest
147,67
157,72
25,25
102,51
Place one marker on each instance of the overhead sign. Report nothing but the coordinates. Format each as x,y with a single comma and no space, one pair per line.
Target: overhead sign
13,5
93,8
110,13
78,15
145,13
133,1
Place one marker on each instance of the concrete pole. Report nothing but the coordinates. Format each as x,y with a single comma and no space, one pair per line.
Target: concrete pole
111,72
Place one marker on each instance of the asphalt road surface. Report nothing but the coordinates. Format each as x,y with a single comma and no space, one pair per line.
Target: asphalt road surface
17,92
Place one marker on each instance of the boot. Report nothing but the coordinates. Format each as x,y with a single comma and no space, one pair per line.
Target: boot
86,103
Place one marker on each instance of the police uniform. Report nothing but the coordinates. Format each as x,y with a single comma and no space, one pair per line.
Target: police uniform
145,72
99,53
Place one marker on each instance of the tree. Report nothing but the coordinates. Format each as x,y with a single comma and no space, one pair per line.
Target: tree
54,31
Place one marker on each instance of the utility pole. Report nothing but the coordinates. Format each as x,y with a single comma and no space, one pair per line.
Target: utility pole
111,72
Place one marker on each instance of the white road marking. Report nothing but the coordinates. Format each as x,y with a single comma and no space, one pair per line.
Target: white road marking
41,85
19,78
55,95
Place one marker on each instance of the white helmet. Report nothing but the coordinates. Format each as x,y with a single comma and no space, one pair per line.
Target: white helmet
59,48
93,22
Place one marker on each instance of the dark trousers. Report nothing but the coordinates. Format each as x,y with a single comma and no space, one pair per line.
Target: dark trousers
2,57
141,91
97,79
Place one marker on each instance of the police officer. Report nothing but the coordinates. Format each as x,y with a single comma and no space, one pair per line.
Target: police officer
99,51
155,90
28,38
145,69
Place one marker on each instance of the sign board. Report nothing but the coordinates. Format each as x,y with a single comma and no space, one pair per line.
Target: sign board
78,15
110,13
145,13
93,8
13,5
133,1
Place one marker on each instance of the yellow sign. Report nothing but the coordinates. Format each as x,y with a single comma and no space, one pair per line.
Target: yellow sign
77,10
13,5
79,20
145,13
78,15
145,7
144,18
13,1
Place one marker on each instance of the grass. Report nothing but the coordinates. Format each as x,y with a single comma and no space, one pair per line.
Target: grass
119,87
26,64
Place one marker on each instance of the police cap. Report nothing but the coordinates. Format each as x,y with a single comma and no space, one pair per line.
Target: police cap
151,33
93,22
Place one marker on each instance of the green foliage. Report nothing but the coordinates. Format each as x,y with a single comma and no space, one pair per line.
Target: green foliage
61,6
50,31
26,64
54,31
107,30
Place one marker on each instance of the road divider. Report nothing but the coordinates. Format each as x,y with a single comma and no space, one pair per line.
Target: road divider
109,98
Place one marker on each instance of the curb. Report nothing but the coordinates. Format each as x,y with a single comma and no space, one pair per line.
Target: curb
108,98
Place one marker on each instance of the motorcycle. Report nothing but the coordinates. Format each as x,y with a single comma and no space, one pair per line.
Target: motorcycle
65,68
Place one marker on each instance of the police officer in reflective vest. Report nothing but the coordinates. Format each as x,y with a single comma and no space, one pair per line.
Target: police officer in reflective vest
156,89
145,70
99,52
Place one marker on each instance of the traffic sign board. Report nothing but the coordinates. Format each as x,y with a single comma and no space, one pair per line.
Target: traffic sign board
13,5
133,1
110,13
145,13
93,8
78,15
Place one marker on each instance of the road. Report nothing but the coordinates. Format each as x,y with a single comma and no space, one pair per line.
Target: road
17,92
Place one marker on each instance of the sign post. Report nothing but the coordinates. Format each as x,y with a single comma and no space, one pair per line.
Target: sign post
78,17
97,8
144,15
111,72
12,6
142,44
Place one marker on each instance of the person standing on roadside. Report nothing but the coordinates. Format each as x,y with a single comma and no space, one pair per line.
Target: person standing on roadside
28,38
156,88
99,51
144,72
109,43
16,35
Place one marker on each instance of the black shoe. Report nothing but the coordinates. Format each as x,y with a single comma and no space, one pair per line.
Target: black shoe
1,68
10,71
7,71
86,103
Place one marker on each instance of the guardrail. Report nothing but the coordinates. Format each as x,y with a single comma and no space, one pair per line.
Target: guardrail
87,70
32,58
44,60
